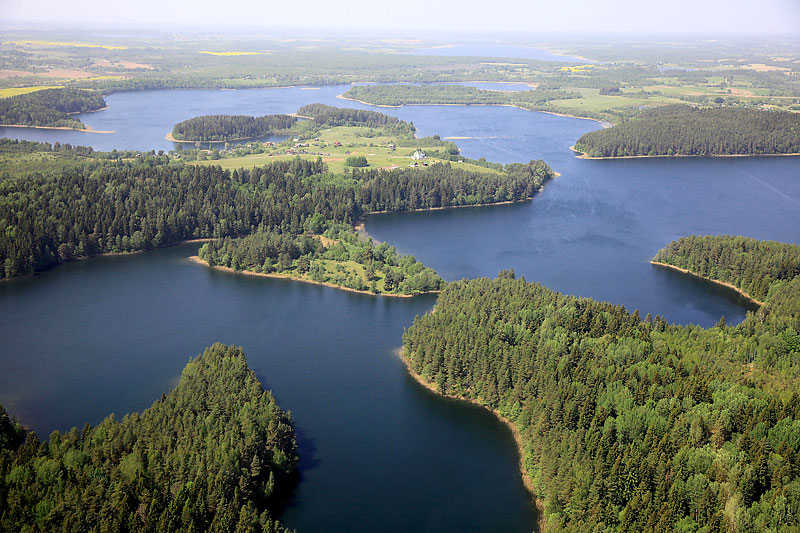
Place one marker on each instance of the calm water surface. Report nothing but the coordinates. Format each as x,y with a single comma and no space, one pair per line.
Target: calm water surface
379,453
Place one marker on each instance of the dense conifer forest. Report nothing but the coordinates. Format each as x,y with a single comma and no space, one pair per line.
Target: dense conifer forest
453,94
326,115
629,424
686,130
215,453
49,107
55,210
756,267
228,127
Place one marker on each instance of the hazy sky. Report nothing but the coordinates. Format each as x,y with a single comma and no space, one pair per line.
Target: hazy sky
712,17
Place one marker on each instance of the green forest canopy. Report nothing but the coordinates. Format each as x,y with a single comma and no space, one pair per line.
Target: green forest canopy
756,267
76,206
687,130
627,424
453,94
212,454
228,127
344,259
50,107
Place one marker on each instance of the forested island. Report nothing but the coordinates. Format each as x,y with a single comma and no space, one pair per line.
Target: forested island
755,268
217,128
49,108
397,95
214,454
677,130
74,206
628,424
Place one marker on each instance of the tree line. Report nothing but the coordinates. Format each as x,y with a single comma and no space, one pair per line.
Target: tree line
756,267
629,424
340,258
77,207
331,116
227,127
215,453
453,94
687,130
50,107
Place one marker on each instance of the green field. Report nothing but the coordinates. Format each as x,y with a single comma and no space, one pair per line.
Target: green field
354,140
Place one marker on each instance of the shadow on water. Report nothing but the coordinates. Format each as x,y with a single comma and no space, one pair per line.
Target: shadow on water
685,287
479,420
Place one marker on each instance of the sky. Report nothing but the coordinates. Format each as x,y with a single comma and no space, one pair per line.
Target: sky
569,17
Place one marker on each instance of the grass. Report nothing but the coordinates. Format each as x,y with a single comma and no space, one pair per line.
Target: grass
354,140
16,91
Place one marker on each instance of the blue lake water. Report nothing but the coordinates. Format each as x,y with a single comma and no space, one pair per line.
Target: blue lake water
379,452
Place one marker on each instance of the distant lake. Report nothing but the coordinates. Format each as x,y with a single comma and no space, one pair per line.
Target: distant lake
496,50
379,452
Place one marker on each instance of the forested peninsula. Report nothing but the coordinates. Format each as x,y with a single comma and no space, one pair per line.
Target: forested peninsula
217,128
212,454
628,424
755,268
682,130
451,94
71,206
49,108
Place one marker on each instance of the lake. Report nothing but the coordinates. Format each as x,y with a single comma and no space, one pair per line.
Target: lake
379,452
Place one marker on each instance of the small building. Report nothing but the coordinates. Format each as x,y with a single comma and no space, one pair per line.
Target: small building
419,155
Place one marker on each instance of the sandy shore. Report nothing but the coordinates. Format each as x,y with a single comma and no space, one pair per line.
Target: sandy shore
584,155
88,129
526,479
723,283
196,259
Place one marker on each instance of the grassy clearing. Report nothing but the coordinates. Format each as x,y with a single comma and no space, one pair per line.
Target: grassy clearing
353,140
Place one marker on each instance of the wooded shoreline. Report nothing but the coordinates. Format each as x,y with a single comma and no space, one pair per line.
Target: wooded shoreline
718,282
584,155
196,259
526,479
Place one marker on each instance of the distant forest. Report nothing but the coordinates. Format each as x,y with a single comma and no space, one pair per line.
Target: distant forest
756,267
686,130
629,424
49,107
211,455
227,127
73,207
453,94
338,116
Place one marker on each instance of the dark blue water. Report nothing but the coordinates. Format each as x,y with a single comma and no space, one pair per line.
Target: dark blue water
497,50
379,452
